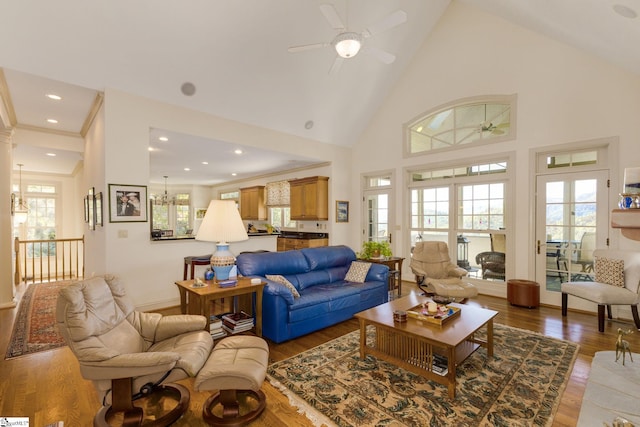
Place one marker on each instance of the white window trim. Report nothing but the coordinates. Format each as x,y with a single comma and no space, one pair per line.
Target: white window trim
508,178
511,99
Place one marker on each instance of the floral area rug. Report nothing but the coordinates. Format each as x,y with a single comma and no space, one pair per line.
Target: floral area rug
35,327
521,385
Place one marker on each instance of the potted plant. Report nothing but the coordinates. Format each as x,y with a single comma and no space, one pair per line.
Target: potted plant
375,250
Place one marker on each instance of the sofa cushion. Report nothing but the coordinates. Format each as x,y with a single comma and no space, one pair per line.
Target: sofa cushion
283,280
312,278
357,272
323,299
610,271
326,257
282,263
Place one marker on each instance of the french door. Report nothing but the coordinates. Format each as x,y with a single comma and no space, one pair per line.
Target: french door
377,212
571,221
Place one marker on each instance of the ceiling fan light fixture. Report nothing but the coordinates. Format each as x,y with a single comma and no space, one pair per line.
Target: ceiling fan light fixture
347,45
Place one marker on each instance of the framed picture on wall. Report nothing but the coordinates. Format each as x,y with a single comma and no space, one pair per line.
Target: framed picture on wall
92,208
86,208
342,211
200,212
127,203
98,209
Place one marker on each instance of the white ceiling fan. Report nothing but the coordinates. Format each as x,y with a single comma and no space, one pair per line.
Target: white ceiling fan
347,43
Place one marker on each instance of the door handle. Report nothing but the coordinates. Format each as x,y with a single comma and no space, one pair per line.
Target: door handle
390,234
539,245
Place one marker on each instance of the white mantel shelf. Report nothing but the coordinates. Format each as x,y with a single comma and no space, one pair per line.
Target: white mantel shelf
628,221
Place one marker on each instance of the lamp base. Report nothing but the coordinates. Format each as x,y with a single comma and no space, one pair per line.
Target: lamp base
222,261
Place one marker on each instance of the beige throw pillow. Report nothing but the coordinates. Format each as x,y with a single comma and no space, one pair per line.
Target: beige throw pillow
281,279
357,272
609,271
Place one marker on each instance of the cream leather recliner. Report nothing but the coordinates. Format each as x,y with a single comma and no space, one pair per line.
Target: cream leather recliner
437,275
126,353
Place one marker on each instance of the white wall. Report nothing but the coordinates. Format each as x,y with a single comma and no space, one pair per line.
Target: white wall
564,95
149,269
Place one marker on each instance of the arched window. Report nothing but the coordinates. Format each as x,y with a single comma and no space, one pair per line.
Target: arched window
486,119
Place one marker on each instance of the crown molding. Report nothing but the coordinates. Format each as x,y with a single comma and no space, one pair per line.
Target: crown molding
93,112
7,113
49,131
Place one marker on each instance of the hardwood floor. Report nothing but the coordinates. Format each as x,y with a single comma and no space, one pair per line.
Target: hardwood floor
47,386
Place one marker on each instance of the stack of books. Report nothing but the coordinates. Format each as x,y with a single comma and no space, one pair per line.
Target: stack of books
215,327
227,283
235,323
440,365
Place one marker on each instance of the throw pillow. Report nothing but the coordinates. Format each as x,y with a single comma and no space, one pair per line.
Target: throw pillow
357,272
609,271
283,280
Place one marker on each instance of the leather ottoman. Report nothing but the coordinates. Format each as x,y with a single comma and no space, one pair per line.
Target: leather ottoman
524,293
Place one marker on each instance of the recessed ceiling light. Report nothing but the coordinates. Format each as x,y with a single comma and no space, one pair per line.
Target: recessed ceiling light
53,121
624,11
151,149
188,89
187,169
51,154
163,138
205,163
238,151
234,174
53,96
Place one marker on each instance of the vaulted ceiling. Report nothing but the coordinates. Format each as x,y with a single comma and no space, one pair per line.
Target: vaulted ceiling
235,55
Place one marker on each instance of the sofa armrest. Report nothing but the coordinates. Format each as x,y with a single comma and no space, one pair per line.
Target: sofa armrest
377,272
278,289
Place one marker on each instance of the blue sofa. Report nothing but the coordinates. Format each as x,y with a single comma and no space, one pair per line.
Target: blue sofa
318,276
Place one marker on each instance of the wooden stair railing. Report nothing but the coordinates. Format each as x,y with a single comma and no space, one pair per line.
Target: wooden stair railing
48,260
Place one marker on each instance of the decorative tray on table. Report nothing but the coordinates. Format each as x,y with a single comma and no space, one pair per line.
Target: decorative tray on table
441,315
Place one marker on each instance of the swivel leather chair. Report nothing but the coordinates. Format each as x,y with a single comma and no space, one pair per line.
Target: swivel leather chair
437,275
130,354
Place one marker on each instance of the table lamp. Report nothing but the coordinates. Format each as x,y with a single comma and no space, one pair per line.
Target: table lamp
222,224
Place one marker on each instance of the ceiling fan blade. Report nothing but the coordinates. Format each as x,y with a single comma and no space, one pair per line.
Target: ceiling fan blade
302,48
381,55
337,63
396,18
330,14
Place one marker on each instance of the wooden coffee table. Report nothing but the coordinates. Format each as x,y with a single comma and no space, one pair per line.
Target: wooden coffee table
412,344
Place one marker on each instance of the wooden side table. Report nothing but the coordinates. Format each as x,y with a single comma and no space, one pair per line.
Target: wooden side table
198,300
395,266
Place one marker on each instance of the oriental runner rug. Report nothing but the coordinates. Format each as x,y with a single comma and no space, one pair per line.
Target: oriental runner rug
521,385
35,327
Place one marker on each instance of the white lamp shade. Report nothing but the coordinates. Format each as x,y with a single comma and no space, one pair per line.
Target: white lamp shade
222,223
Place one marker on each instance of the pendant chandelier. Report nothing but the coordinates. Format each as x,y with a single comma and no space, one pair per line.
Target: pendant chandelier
164,199
19,208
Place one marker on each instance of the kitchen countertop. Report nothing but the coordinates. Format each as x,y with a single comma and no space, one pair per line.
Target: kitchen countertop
302,235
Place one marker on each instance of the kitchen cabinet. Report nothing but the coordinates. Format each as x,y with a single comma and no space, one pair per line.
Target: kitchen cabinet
252,205
287,244
310,198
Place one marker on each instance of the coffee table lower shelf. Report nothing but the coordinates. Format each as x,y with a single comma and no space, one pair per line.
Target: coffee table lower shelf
415,354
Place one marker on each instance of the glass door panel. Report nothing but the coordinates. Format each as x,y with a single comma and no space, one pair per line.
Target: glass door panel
569,224
377,217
